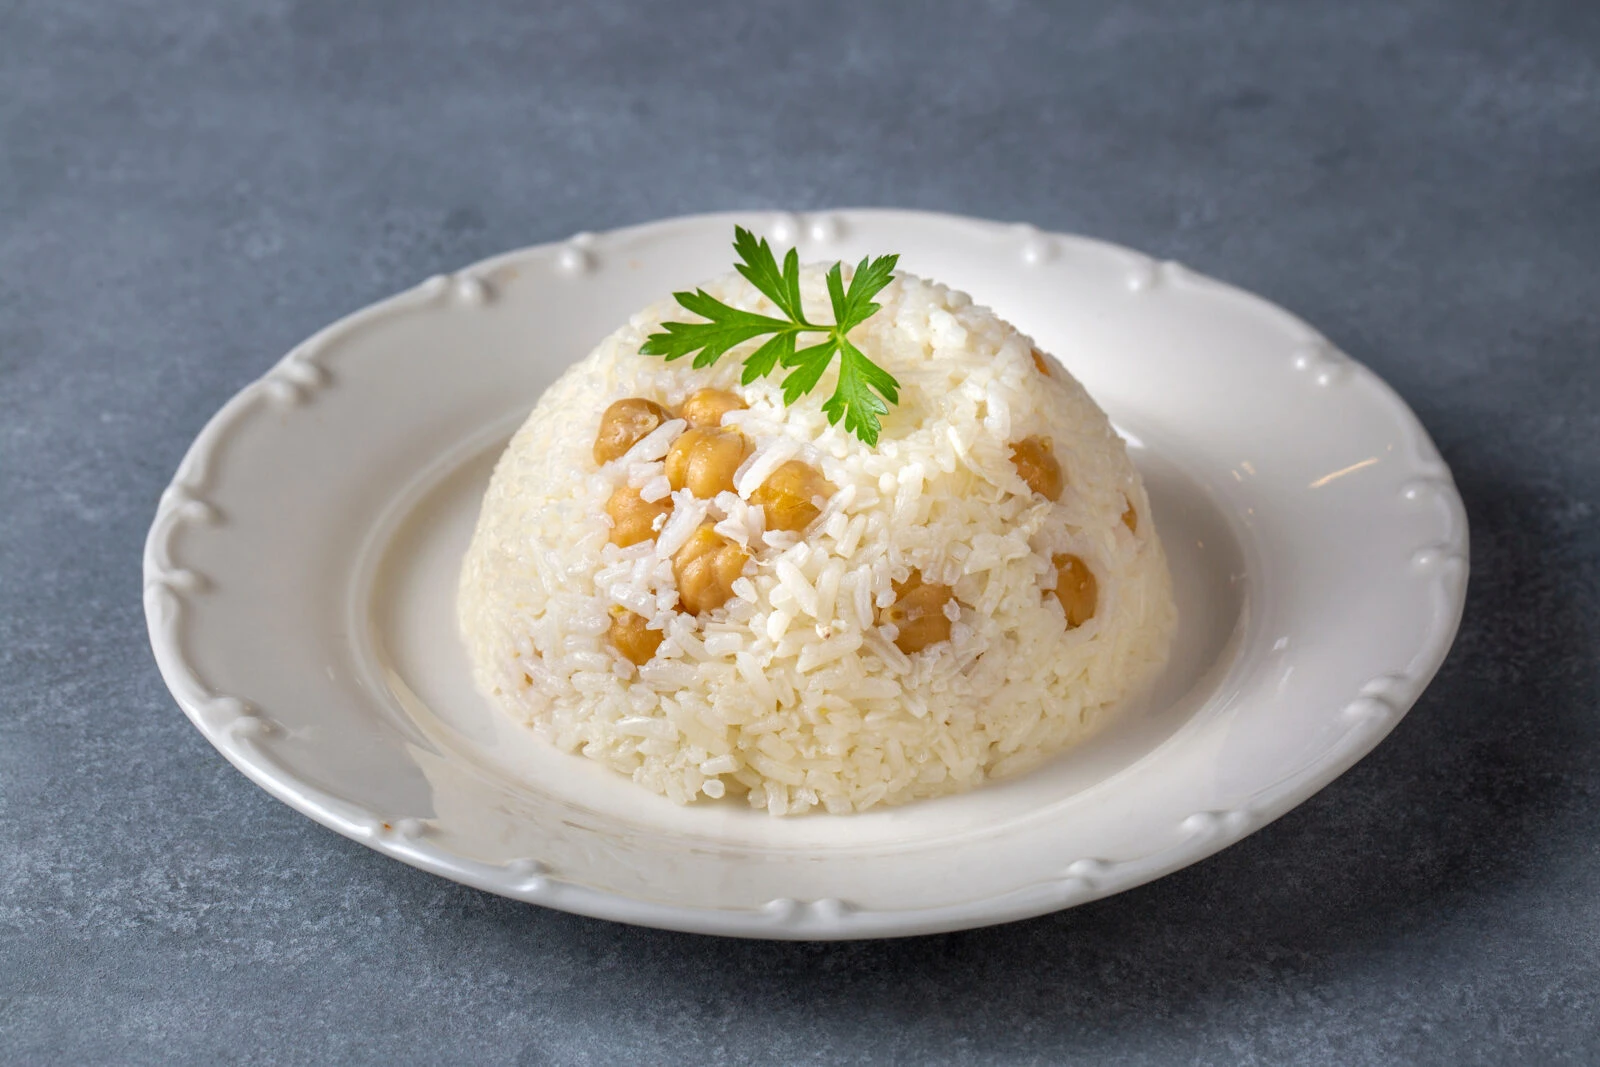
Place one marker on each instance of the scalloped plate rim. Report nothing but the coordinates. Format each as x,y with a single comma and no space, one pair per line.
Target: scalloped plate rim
824,918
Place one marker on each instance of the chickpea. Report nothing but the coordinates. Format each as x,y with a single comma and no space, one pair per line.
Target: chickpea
705,568
1076,589
704,459
1035,460
623,424
632,637
1130,518
789,496
1040,362
918,614
633,519
706,407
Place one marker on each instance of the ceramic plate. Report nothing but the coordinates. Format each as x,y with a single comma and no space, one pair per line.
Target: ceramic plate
300,573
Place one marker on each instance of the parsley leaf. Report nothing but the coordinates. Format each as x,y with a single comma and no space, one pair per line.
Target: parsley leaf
864,390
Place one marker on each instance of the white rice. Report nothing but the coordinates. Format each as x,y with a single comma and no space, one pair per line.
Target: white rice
791,695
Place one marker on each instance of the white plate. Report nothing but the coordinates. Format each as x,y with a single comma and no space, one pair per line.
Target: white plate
300,573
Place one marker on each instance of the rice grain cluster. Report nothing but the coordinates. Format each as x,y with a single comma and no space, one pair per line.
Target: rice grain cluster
718,595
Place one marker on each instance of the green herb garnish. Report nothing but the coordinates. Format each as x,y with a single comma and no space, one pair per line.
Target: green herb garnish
865,389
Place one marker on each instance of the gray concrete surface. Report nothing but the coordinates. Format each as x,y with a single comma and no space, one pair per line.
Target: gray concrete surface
188,188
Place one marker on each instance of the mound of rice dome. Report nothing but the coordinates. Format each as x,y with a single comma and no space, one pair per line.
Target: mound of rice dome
719,595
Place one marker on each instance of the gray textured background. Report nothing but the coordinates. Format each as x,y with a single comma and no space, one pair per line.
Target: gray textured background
188,188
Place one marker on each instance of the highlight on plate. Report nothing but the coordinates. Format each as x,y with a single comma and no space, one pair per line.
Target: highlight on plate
869,544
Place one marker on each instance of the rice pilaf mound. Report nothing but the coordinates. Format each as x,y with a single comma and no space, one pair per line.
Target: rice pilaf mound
681,577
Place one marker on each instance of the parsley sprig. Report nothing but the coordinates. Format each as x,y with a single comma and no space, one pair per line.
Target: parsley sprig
864,389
